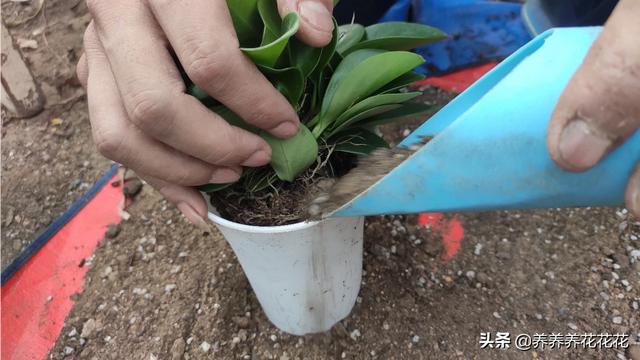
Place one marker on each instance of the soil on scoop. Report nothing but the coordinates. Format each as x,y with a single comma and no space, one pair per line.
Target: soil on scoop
288,203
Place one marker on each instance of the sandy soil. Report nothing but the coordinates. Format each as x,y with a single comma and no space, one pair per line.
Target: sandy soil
162,289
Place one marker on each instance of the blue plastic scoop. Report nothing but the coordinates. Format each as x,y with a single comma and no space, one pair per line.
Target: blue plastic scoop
489,144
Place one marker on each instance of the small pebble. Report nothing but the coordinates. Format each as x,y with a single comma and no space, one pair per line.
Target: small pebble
68,350
617,320
88,328
615,275
242,321
477,249
139,291
415,339
112,231
355,334
132,188
205,346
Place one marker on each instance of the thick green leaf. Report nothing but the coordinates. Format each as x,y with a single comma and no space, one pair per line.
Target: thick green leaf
373,101
326,55
209,188
406,110
358,76
290,157
268,54
359,142
362,116
322,73
303,56
348,36
398,36
370,103
246,20
289,81
268,11
401,82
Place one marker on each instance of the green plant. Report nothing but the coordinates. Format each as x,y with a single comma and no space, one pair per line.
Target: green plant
341,91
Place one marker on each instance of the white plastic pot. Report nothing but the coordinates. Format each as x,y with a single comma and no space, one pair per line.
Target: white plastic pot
305,275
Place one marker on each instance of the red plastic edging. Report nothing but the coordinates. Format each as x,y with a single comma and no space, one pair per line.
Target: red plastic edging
36,299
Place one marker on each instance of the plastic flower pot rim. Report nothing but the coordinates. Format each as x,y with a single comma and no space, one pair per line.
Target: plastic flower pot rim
213,216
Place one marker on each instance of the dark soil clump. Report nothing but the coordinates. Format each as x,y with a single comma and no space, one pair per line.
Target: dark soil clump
282,203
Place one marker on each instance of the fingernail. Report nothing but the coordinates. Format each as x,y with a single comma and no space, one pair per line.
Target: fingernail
258,158
224,175
192,215
580,147
317,15
285,130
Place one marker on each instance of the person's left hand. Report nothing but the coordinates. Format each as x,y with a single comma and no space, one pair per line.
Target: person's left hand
600,108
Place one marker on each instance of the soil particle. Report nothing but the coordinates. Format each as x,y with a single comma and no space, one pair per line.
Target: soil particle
177,349
89,328
112,231
243,322
132,187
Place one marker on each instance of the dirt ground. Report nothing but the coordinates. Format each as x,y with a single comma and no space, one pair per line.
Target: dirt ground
162,289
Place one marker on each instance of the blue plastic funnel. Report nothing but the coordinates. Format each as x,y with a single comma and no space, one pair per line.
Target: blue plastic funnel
489,149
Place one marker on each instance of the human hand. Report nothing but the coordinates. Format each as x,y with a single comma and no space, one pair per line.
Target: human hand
140,114
600,108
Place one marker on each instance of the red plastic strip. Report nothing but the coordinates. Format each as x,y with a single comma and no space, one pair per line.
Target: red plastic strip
450,230
457,81
36,299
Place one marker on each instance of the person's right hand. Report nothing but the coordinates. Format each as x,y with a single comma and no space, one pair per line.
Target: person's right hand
140,114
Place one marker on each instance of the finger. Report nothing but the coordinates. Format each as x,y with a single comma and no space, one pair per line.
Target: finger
316,22
188,200
82,70
152,90
121,141
599,108
633,193
202,35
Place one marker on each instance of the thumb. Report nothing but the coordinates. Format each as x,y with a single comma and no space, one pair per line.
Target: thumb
600,107
316,23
